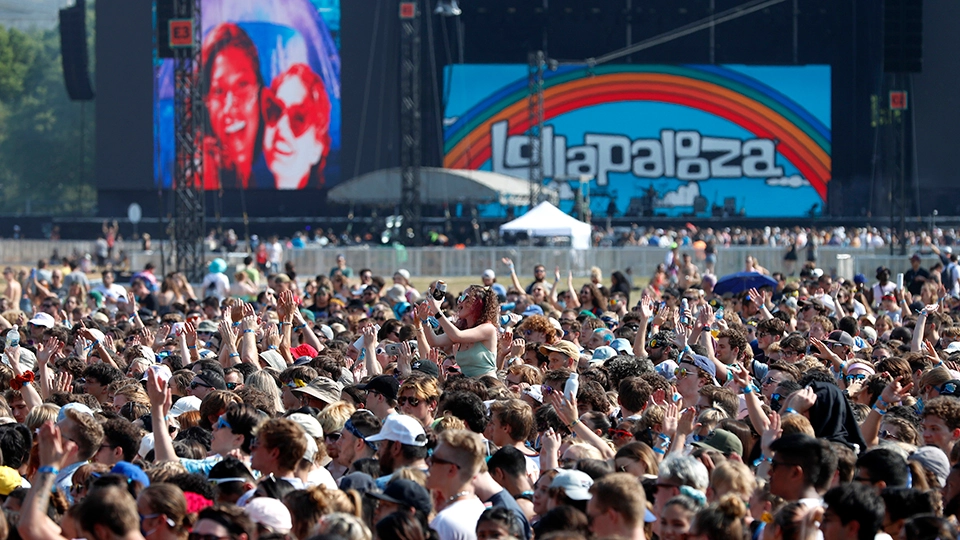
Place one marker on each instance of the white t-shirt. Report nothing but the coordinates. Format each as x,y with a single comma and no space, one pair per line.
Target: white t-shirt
112,292
215,285
459,520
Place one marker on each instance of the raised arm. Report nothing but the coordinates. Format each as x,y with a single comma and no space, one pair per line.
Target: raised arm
160,401
53,451
513,276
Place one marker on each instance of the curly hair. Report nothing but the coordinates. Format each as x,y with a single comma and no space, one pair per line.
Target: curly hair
540,324
490,312
307,506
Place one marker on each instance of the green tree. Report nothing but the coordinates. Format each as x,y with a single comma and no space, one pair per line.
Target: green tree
46,156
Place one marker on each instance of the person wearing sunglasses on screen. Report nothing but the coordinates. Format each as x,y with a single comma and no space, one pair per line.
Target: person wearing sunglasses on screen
296,135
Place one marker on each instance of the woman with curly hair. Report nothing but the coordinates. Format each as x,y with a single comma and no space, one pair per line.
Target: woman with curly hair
474,333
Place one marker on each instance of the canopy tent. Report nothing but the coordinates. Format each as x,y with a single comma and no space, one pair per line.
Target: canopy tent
438,186
546,219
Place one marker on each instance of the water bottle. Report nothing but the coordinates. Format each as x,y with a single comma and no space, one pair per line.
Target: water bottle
719,314
571,387
684,306
13,338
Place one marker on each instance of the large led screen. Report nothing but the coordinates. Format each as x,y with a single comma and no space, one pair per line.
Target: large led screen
270,78
673,140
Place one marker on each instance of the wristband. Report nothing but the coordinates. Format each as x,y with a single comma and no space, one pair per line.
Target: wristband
249,331
271,347
301,327
882,403
191,346
48,469
438,314
659,451
761,459
233,355
235,324
790,410
880,411
748,389
285,322
571,424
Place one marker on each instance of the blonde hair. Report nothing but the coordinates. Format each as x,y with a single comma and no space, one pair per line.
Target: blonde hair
468,450
736,477
333,417
39,416
448,422
796,423
341,525
412,474
424,387
934,377
586,451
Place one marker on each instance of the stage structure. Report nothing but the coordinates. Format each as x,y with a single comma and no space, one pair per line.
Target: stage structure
410,120
189,215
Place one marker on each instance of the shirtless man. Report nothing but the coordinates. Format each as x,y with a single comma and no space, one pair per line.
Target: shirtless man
14,291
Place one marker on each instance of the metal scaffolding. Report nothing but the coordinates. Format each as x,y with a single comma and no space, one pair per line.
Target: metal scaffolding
536,63
410,122
188,114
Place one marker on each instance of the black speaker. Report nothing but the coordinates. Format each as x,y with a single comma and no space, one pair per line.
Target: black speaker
166,10
73,51
903,36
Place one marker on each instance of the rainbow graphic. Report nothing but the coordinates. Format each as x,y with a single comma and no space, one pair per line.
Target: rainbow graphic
799,136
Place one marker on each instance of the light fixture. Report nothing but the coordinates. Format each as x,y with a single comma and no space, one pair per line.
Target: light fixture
447,8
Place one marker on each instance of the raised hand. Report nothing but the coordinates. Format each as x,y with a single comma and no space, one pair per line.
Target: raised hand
190,331
508,261
646,307
46,350
566,409
895,391
556,274
162,335
801,400
671,420
159,392
687,423
54,450
63,382
249,320
518,347
661,316
770,434
369,337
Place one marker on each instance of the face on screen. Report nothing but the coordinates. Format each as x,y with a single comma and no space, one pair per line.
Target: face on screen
290,140
233,106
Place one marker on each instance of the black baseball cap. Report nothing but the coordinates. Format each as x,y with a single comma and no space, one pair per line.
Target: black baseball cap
212,379
408,494
386,385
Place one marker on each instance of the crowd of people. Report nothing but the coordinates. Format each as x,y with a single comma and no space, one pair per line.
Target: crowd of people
352,406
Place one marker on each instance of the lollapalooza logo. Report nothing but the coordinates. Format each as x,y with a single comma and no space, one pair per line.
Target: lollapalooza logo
492,133
684,155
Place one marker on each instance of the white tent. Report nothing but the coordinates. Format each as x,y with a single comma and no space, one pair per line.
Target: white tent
546,219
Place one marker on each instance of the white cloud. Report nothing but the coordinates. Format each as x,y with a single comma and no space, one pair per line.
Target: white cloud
793,181
683,196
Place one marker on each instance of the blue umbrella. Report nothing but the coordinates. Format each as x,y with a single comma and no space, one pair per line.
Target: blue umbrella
743,281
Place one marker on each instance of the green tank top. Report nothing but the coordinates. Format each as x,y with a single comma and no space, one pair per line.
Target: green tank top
477,360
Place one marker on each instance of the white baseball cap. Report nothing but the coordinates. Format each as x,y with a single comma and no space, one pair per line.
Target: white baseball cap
489,274
270,513
402,428
43,319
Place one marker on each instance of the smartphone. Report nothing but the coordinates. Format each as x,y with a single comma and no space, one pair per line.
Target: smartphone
900,281
393,349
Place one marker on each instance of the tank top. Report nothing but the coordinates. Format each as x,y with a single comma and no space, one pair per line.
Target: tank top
477,360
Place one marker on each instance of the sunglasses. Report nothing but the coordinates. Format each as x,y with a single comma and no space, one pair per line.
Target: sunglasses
403,400
222,423
619,433
431,460
769,380
333,436
857,377
232,385
884,434
681,372
300,115
196,384
654,343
